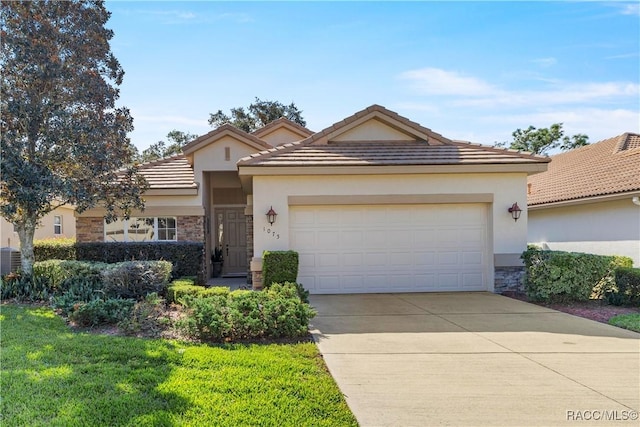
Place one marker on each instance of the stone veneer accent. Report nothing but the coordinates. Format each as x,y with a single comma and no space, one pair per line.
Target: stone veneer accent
508,279
190,228
89,229
256,280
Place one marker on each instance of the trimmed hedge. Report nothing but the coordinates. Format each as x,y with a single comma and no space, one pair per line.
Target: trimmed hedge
60,248
178,289
627,287
569,276
275,312
279,267
187,257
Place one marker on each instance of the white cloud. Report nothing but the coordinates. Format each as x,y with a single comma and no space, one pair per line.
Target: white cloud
631,9
435,81
469,91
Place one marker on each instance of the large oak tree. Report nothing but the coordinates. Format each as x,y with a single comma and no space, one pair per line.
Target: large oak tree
258,114
64,141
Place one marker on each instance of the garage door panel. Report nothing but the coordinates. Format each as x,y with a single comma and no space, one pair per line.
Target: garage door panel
352,259
472,258
396,248
400,258
306,261
375,239
351,239
449,259
424,259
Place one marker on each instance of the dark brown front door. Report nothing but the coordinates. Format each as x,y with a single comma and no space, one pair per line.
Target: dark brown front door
231,236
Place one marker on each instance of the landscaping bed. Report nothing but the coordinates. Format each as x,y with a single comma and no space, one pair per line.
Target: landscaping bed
597,310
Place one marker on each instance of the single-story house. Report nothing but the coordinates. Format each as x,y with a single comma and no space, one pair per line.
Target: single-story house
373,203
60,222
589,199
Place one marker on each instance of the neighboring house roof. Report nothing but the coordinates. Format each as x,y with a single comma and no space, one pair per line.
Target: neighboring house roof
279,123
169,173
419,146
606,168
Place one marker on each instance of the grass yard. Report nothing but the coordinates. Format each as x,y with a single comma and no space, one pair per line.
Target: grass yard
628,321
54,377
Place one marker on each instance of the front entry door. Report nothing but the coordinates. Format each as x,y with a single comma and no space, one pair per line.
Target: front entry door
231,236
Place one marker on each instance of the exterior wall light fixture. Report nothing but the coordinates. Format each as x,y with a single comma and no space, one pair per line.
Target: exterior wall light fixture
271,216
515,211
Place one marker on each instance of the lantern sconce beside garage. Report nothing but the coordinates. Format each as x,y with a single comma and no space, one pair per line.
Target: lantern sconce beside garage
515,211
271,216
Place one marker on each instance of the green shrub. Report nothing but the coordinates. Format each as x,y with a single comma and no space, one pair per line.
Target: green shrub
214,290
24,288
626,289
136,279
187,257
180,288
147,317
99,312
303,294
56,271
58,248
51,270
568,276
76,290
276,312
279,267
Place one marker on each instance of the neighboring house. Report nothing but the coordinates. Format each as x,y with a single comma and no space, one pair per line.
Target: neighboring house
374,203
588,200
59,223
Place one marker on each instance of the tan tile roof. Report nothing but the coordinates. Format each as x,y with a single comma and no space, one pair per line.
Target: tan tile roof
434,150
225,129
607,167
169,173
381,153
282,121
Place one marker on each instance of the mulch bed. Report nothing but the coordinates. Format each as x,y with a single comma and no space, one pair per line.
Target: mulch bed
596,310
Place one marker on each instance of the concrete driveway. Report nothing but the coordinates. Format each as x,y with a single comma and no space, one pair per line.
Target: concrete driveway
475,359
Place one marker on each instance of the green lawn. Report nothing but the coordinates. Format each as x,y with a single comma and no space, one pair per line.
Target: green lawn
627,321
52,376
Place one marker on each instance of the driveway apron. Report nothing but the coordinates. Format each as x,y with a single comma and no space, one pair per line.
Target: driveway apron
475,359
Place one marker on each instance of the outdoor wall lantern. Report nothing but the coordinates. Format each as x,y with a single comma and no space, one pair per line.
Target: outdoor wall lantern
271,216
515,211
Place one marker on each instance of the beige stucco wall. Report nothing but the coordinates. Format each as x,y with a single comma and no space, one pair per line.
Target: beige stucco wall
212,158
373,130
508,236
8,238
604,228
281,136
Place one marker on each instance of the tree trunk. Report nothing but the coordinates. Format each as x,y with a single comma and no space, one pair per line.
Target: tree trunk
26,231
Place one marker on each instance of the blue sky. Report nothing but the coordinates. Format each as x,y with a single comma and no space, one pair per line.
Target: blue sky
468,70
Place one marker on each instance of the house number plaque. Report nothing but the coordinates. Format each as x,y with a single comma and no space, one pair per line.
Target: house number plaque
271,232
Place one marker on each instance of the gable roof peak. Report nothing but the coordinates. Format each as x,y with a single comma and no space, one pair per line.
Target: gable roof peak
221,131
628,141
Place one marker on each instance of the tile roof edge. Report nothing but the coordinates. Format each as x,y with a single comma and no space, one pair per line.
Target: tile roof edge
276,122
524,154
191,146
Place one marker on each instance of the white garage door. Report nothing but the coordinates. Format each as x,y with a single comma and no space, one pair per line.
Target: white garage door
390,248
